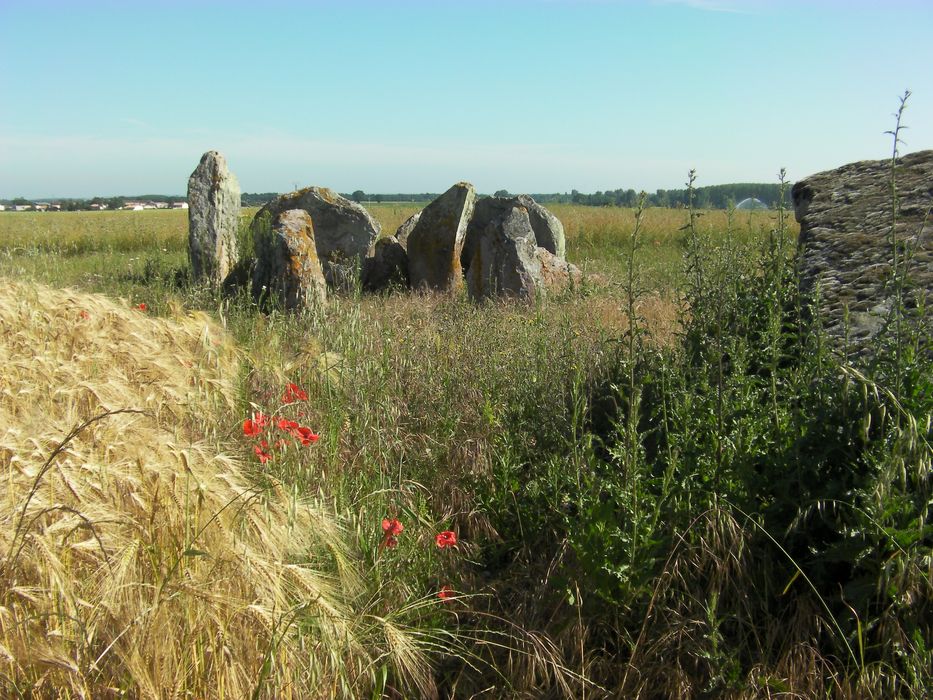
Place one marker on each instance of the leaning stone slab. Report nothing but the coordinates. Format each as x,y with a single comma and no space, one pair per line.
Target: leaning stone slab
213,219
287,265
845,244
436,241
343,230
505,260
548,230
404,231
386,266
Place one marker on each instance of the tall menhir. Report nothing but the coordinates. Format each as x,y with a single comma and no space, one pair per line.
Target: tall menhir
213,218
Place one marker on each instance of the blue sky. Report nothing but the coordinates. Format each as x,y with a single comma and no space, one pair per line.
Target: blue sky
104,98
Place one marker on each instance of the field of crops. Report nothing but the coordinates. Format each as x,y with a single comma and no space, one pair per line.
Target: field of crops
662,484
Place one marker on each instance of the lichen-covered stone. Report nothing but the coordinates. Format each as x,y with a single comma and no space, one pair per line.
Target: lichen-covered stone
548,230
505,260
557,275
386,266
213,219
287,264
845,244
436,240
343,230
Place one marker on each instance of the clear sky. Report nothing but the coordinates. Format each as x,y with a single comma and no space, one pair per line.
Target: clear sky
107,98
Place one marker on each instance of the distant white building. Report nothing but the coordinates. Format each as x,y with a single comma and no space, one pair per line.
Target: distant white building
751,203
2,208
179,205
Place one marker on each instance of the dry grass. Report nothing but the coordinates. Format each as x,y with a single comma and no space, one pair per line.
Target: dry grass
136,559
80,232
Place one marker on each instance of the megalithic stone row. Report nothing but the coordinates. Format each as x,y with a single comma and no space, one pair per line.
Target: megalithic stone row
343,230
287,265
847,239
213,219
436,241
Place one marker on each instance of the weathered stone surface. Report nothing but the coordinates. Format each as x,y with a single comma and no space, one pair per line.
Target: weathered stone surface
287,264
386,266
557,275
436,241
343,230
213,218
548,230
505,259
404,231
845,243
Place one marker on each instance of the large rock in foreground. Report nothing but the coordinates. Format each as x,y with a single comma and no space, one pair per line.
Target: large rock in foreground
548,230
343,230
845,243
436,241
505,259
287,265
213,219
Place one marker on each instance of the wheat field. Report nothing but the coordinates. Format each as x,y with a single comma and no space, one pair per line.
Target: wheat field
137,558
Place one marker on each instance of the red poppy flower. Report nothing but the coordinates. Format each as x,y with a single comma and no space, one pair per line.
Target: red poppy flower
286,425
392,527
84,315
446,592
142,307
293,393
447,538
253,426
261,453
306,435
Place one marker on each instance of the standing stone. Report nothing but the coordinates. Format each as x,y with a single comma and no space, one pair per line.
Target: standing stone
436,241
548,230
845,243
343,230
505,259
213,219
287,265
386,266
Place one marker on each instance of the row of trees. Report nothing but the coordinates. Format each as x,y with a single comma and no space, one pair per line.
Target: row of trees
710,197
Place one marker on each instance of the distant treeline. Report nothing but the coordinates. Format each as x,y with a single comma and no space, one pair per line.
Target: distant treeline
709,197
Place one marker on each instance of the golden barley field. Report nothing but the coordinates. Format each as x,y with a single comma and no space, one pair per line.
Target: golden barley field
140,560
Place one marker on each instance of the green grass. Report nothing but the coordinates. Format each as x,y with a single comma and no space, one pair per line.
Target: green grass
663,483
